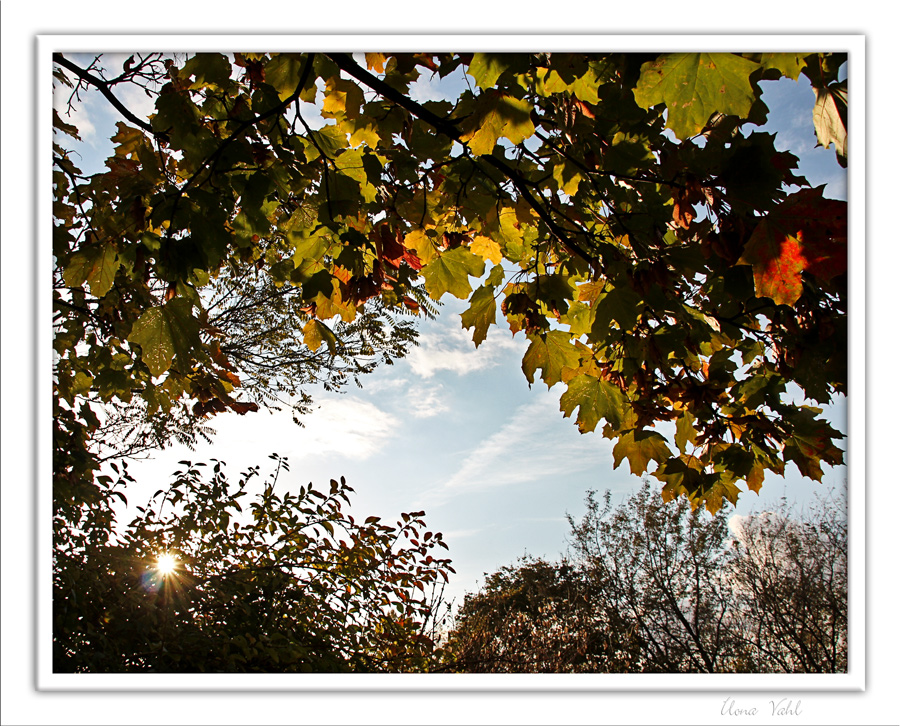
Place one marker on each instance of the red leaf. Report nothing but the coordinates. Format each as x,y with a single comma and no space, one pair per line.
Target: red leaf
804,233
243,408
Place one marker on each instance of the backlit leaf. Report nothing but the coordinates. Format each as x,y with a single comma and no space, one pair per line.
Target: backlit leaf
488,248
481,314
498,115
486,68
450,273
164,332
790,64
830,118
343,98
596,399
551,352
804,233
315,332
693,86
97,265
640,447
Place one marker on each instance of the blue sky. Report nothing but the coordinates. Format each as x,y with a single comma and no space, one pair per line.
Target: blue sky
454,430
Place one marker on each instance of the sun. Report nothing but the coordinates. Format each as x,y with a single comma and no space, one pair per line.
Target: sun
166,564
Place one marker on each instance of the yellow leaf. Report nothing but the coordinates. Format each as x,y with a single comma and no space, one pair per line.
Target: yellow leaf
421,243
343,98
487,248
376,61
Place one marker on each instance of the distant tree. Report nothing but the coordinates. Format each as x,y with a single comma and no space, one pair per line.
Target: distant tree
265,583
536,617
650,587
790,581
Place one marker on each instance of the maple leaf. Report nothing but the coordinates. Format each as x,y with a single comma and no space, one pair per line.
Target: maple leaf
488,248
551,352
790,64
694,86
830,119
450,272
639,447
95,265
804,233
596,399
315,332
342,98
481,314
498,115
163,332
486,68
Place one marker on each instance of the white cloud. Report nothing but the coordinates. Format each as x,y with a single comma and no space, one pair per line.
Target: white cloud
79,115
136,101
344,425
451,349
348,426
457,534
736,525
426,401
427,88
379,384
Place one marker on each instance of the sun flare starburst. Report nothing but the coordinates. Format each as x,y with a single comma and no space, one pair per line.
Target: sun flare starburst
166,564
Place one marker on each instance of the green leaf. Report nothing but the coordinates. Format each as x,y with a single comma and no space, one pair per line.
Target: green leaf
621,304
450,273
481,314
486,68
283,73
551,352
596,399
789,64
640,447
164,332
97,265
210,69
685,431
498,115
693,86
420,243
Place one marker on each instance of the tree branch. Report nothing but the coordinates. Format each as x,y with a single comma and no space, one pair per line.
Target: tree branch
346,63
103,87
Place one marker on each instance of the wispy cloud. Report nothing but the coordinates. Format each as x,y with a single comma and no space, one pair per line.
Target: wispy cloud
451,349
532,446
349,426
427,401
457,534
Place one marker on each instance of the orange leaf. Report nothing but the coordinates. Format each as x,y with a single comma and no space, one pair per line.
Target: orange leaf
804,233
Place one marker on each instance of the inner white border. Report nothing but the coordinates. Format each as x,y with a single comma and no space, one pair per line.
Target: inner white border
853,680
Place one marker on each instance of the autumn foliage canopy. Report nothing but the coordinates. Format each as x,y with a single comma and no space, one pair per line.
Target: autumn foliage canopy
663,258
